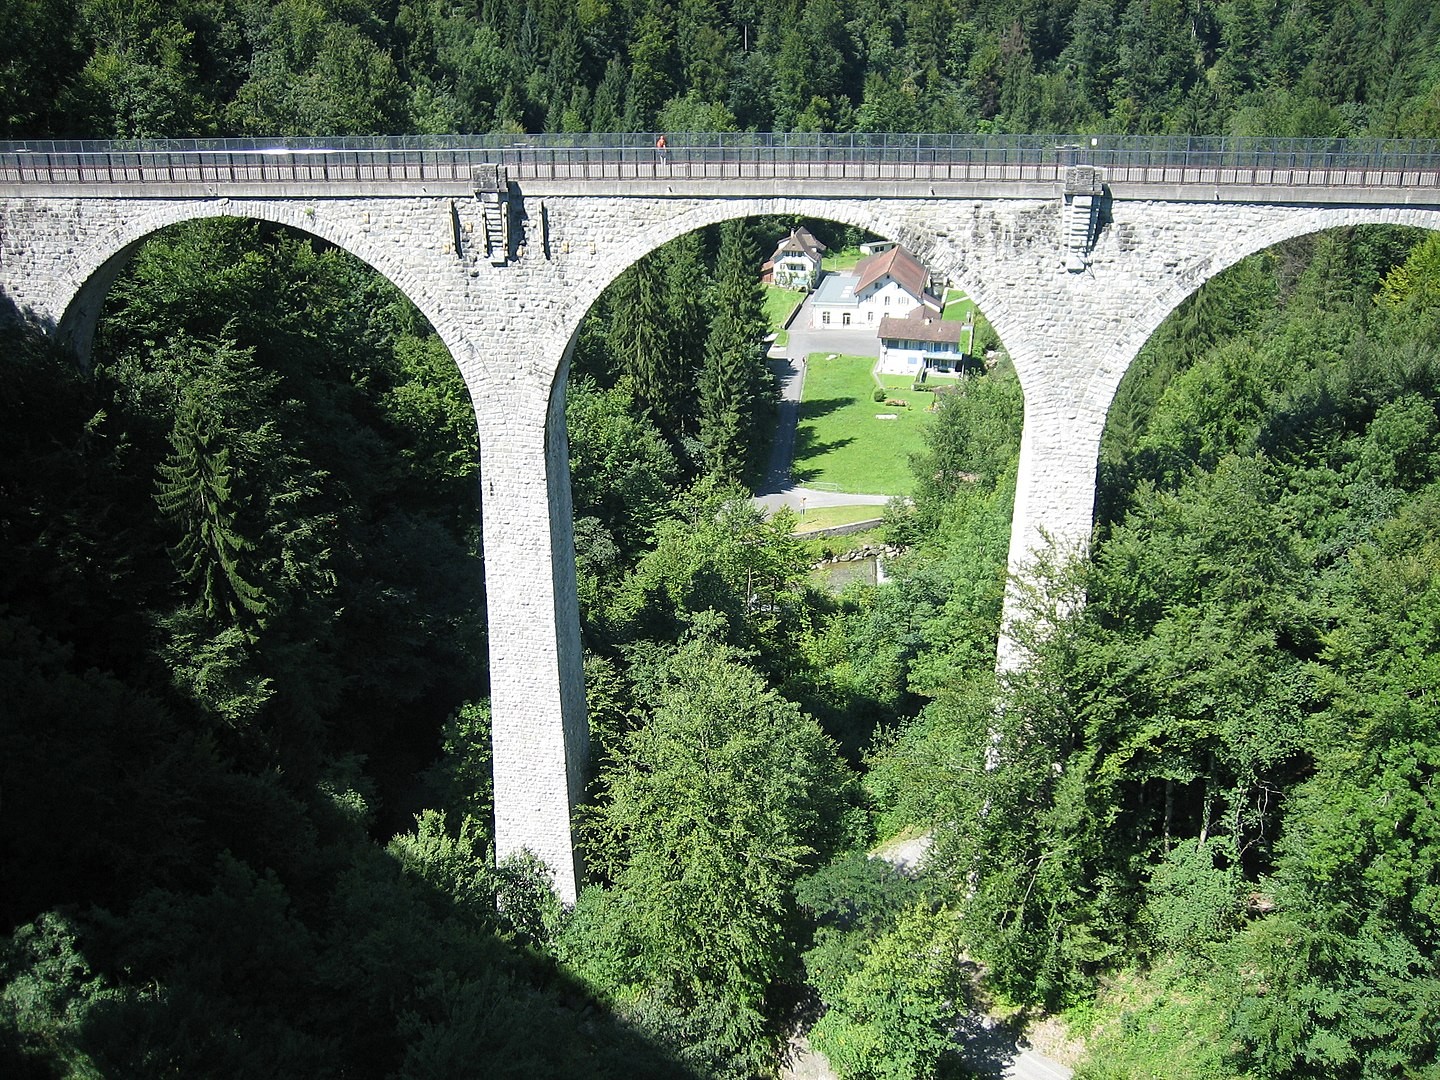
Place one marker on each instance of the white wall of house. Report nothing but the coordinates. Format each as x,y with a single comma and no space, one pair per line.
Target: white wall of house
833,305
885,297
796,272
834,316
880,298
912,357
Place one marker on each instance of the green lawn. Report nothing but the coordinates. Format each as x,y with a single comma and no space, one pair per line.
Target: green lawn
779,303
958,306
841,260
840,442
824,517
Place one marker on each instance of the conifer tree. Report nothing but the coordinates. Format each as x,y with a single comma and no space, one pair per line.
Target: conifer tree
737,273
196,490
735,385
687,293
640,340
724,398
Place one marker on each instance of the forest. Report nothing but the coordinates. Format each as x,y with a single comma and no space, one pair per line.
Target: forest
244,777
183,68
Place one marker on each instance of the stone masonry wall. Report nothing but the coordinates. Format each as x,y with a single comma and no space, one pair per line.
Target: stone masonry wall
509,329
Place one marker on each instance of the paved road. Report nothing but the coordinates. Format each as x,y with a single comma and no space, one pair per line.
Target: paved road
791,376
990,1050
857,340
1028,1065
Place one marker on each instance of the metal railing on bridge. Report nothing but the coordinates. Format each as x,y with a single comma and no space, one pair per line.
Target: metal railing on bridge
730,156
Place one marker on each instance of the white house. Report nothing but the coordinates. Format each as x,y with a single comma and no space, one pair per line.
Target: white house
922,341
796,262
890,282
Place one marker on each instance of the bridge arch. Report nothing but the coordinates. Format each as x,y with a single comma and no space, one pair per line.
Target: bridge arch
872,215
1106,379
82,285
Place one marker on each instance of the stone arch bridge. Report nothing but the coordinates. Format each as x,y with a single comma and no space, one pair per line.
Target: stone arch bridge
505,248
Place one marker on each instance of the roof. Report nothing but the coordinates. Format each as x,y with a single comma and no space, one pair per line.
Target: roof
921,325
801,239
907,270
835,289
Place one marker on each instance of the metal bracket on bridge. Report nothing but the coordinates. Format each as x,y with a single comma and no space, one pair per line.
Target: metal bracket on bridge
1080,214
492,191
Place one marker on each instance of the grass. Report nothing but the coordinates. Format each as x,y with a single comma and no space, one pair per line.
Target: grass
825,517
839,442
1166,1022
841,260
779,305
958,306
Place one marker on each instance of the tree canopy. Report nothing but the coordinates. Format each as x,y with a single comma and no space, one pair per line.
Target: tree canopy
244,747
85,68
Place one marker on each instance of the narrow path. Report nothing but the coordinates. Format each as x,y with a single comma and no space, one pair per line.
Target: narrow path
790,374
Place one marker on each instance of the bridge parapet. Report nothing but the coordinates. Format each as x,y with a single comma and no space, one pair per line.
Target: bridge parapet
742,158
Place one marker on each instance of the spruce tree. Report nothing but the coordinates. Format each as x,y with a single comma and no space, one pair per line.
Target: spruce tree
196,491
640,339
688,314
726,408
735,385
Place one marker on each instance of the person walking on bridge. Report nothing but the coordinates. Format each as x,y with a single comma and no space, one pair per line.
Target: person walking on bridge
660,155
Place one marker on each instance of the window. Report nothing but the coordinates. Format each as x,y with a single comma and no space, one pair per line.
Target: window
887,301
869,316
825,317
845,319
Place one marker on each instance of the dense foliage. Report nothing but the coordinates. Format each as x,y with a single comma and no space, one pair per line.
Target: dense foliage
254,549
89,68
677,341
244,766
240,594
1225,759
717,908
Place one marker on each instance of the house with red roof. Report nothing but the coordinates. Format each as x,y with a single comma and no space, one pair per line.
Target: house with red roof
890,282
796,262
921,341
